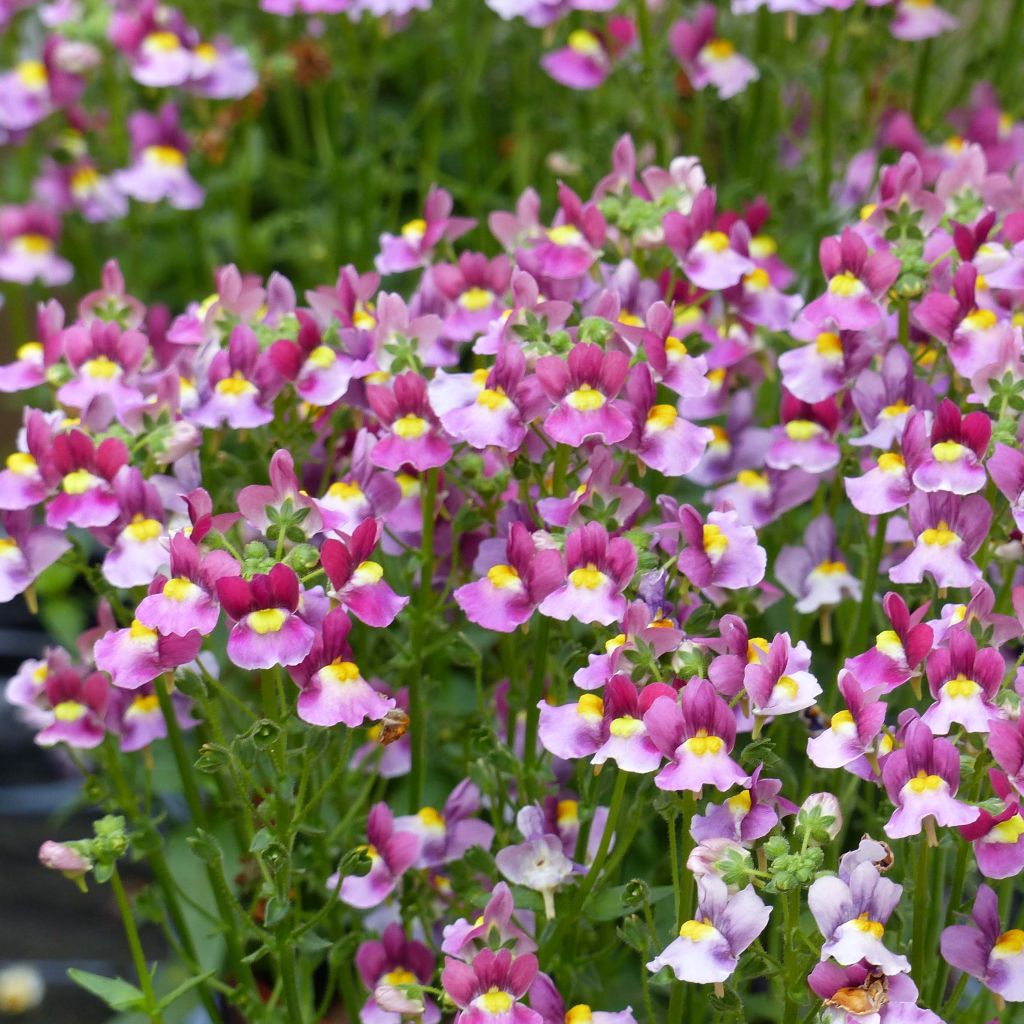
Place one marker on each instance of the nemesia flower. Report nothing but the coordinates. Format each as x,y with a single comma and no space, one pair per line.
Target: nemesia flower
963,680
598,570
267,631
321,373
709,947
1006,467
490,987
746,817
998,839
884,488
584,389
804,440
852,732
25,552
708,59
563,253
861,994
391,961
851,914
138,654
159,169
221,71
358,583
28,240
958,444
448,834
332,687
986,952
78,705
539,863
105,360
510,590
1006,741
85,473
697,734
947,529
920,19
463,936
473,288
775,682
237,388
886,399
415,244
708,257
391,853
760,498
259,503
822,367
816,573
721,552
140,550
136,718
921,779
411,434
362,493
156,43
586,59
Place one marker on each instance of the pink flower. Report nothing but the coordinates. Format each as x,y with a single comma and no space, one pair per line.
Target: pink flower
707,255
489,989
415,244
357,582
411,434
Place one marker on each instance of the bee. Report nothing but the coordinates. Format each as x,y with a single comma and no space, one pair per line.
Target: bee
815,720
393,726
867,998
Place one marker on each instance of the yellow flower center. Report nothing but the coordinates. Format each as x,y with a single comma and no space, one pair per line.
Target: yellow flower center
1010,943
431,818
630,319
828,344
715,542
961,687
587,578
803,430
345,491
756,646
33,244
873,928
364,319
339,672
142,634
626,726
830,568
590,706
661,417
752,480
702,744
400,976
757,280
101,368
144,705
615,642
585,398
323,357
569,234
21,463
568,812
493,399
924,783
1008,831
32,74
495,1001
179,588
719,49
476,299
367,573
713,241
740,803
84,180
161,42
948,451
163,156
414,230
845,285
980,320
888,642
891,462
867,209
842,721
410,485
675,348
763,246
579,1014
68,711
266,620
503,577
235,386
696,931
31,352
588,44
409,427
940,536
788,686
142,529
78,481
896,409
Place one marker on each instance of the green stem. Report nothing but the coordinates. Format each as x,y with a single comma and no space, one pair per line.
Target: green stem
673,859
610,825
561,465
921,899
791,918
534,694
689,882
417,720
134,943
862,630
828,109
921,81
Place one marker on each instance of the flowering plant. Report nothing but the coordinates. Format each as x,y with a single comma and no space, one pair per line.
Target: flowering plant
591,629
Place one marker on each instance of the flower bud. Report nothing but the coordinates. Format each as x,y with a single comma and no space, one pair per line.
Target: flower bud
21,989
821,815
60,857
395,1000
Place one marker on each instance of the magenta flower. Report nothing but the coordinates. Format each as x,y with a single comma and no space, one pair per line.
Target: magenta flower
828,363
598,570
851,913
1006,741
489,989
921,779
721,552
498,920
857,284
363,493
392,961
267,630
957,445
414,246
567,250
135,716
805,439
139,549
760,498
697,735
138,654
507,595
542,861
25,95
411,431
885,400
332,688
78,705
984,951
28,240
357,582
948,530
28,369
663,439
998,839
105,361
853,732
25,552
391,853
159,167
85,473
238,386
474,288
777,681
584,389
446,835
583,63
709,946
707,255
667,355
816,574
746,817
1006,467
156,44
963,681
883,488
897,652
609,729
708,59
321,374
188,599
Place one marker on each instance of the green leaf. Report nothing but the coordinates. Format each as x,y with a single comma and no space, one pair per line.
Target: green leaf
184,987
117,993
608,905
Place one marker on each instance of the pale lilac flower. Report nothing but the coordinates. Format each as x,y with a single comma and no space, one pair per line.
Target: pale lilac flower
391,853
817,574
28,241
707,58
25,552
707,255
446,835
159,162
